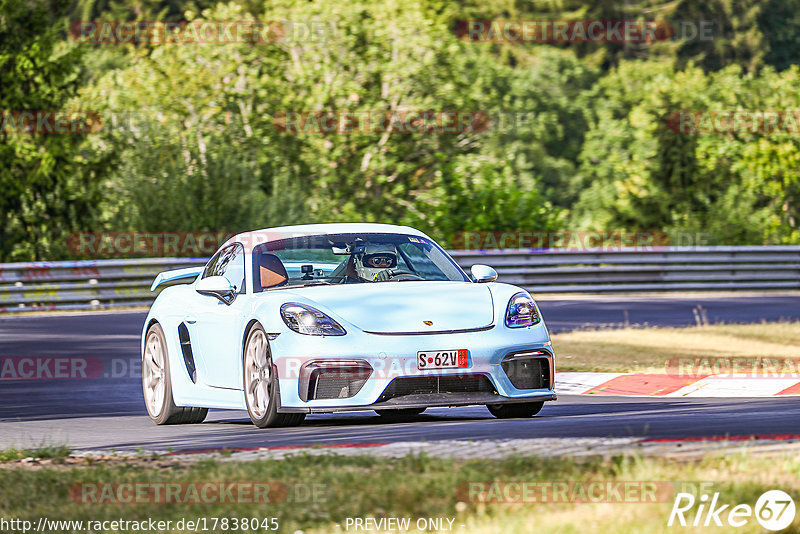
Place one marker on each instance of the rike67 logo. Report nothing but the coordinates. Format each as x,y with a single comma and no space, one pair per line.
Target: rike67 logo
774,510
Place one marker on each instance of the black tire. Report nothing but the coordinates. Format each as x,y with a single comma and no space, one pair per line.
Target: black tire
403,414
515,411
263,416
161,408
293,419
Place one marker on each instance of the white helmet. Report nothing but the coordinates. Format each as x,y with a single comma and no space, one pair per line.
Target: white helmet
377,257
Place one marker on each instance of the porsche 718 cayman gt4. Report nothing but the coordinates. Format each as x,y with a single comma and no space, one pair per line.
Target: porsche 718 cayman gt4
339,317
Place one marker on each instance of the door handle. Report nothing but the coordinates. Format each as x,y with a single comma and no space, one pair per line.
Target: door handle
190,319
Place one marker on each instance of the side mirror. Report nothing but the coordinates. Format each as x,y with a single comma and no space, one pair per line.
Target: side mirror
217,286
483,274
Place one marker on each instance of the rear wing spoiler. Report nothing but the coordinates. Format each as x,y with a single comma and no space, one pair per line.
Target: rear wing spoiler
167,277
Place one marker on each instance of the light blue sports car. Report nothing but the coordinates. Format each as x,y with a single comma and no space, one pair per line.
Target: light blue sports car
339,317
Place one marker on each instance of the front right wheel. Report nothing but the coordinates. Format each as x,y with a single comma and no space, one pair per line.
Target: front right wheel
515,411
261,384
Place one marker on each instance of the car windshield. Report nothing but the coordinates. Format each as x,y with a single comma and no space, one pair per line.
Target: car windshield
351,259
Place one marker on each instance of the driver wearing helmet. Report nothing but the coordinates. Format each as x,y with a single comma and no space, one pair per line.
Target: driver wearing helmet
376,263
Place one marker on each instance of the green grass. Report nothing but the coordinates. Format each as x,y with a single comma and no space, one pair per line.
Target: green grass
414,487
648,349
55,452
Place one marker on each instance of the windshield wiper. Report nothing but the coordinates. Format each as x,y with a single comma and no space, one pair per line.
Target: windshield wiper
315,283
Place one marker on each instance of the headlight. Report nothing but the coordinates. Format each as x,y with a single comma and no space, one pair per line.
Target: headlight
521,311
304,319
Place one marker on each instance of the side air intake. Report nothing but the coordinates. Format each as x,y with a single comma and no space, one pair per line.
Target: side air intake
186,349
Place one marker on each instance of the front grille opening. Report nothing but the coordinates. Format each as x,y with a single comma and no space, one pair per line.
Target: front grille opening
527,373
433,385
335,383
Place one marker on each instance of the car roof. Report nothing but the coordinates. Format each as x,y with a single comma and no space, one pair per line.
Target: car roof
257,237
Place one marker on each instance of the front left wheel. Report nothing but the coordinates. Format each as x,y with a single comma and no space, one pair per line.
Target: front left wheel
157,385
261,384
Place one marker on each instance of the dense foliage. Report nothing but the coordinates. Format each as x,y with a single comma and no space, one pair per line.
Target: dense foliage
578,135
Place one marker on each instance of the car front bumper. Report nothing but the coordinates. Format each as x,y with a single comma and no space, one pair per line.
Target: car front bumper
387,358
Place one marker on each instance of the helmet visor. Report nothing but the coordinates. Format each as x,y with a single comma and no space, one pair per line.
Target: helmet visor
380,260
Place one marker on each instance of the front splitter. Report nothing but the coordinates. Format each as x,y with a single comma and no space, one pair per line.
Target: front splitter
437,400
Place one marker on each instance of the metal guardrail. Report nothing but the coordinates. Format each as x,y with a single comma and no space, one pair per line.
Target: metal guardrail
100,284
90,284
718,268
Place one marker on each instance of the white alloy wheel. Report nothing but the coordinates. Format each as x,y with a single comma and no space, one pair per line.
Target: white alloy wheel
261,385
154,375
157,386
258,374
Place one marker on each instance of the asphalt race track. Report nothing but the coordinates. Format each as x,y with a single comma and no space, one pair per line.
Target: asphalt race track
108,412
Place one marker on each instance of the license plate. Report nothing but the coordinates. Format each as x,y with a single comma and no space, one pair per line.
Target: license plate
442,359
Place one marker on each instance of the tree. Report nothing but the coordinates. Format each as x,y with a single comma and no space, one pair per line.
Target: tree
737,185
378,59
48,185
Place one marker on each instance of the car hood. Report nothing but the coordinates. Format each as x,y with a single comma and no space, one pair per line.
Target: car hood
399,307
